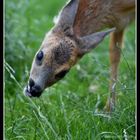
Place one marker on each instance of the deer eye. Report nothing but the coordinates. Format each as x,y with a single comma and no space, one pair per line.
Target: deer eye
61,74
39,55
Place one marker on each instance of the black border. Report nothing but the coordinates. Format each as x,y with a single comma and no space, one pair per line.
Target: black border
1,68
138,69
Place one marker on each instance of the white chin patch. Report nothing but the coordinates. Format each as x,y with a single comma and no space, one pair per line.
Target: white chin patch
26,91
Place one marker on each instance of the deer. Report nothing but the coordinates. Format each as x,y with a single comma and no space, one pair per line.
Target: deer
81,26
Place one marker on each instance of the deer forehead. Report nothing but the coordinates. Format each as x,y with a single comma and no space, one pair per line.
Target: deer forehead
59,44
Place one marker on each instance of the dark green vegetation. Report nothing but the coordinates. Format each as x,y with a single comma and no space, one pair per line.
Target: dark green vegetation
67,110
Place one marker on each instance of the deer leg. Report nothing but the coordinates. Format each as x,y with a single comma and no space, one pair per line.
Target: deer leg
116,39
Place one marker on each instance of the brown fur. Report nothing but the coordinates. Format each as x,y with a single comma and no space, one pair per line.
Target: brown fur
77,33
94,15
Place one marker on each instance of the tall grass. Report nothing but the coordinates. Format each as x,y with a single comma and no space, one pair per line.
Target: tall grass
67,110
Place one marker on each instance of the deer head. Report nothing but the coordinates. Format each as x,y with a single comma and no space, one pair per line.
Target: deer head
59,51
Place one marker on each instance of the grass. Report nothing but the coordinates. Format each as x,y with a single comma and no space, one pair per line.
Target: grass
67,110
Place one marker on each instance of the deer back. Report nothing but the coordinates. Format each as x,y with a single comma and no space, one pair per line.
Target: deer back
94,15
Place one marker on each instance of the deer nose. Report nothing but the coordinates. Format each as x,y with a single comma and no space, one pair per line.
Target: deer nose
33,90
31,83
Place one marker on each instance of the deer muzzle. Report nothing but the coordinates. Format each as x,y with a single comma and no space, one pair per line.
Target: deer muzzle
32,89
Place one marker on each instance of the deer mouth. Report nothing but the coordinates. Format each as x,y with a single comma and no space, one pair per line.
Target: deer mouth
32,92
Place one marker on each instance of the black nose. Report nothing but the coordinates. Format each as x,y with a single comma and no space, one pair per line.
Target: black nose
33,89
31,83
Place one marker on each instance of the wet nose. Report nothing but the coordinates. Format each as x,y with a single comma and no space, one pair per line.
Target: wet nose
31,83
33,89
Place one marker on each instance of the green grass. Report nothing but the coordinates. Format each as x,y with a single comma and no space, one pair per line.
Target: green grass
66,111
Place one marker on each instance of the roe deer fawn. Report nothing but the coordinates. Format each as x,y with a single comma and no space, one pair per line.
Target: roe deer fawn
76,33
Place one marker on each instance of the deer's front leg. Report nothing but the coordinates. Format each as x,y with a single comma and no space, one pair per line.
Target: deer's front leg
115,54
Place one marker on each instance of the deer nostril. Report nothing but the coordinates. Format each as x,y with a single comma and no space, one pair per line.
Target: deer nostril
31,83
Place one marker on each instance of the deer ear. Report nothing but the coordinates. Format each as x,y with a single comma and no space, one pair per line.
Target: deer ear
89,42
67,15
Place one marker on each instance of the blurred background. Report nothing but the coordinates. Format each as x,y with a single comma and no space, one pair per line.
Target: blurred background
67,110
